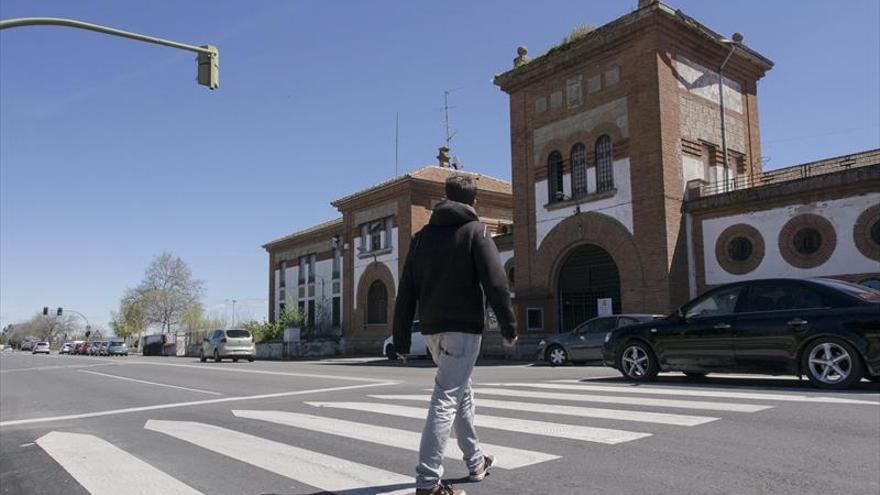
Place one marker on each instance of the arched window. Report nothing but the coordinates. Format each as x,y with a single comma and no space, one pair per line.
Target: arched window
579,170
377,303
554,176
604,170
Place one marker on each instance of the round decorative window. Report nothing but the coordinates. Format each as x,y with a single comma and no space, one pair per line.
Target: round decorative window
807,240
866,233
739,249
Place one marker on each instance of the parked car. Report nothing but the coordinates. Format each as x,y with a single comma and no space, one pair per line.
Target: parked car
41,348
66,348
418,348
28,344
86,348
117,348
234,344
826,329
77,347
103,350
584,344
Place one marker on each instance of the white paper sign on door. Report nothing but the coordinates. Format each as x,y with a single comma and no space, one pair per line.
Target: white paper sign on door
604,307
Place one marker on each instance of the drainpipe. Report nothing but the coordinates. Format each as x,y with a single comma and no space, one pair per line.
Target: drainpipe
737,39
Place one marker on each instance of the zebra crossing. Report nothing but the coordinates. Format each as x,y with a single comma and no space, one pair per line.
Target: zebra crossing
571,405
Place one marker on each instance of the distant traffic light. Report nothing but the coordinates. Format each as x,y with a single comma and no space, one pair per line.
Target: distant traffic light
60,310
209,67
45,310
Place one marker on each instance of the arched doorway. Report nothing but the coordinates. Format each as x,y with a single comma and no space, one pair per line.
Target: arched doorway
587,275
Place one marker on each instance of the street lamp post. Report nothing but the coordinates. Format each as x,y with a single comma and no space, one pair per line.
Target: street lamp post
208,55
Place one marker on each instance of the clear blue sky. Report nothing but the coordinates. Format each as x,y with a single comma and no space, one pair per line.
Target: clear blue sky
110,152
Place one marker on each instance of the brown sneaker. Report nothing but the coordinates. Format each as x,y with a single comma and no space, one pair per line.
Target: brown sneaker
483,470
442,488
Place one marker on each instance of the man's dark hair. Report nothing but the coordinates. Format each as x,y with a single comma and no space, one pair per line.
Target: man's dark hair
461,188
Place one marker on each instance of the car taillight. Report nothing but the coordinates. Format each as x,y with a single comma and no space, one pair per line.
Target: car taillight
223,340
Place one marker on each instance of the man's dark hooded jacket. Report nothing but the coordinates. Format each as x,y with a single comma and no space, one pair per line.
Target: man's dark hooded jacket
449,261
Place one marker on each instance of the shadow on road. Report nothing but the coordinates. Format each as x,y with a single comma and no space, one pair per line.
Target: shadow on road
770,383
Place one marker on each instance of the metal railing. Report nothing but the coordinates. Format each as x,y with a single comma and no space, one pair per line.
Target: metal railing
805,170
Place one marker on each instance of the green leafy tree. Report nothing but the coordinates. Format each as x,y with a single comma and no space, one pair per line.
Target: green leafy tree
131,319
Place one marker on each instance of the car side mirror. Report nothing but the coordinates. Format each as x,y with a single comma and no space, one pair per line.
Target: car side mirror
679,316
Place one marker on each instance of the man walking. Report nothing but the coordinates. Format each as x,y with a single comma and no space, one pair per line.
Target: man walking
452,263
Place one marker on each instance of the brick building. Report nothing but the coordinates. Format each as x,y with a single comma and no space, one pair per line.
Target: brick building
629,193
623,191
343,274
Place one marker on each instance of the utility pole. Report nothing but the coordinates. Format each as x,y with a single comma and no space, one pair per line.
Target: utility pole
208,56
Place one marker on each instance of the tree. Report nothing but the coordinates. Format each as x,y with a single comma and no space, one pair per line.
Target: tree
131,319
167,290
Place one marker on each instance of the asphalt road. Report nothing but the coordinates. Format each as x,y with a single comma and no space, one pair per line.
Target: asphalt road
75,425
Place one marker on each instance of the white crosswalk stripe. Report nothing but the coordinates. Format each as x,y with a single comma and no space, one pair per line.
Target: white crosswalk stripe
507,458
80,455
637,401
544,428
655,390
583,412
315,469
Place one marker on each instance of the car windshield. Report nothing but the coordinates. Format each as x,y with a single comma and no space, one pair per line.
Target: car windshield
116,344
238,334
863,292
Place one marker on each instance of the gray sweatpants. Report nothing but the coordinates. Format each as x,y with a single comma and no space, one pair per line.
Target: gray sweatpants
452,405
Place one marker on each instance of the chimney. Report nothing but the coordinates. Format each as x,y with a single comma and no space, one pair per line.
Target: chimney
443,157
646,3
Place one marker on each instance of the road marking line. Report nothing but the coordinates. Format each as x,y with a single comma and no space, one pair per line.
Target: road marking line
637,401
174,405
58,367
508,458
544,428
321,471
583,412
653,390
83,457
211,367
151,383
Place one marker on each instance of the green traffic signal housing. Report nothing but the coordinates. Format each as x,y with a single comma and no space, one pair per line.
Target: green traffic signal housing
209,67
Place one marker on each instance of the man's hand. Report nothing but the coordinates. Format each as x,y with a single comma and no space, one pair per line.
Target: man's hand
511,341
402,357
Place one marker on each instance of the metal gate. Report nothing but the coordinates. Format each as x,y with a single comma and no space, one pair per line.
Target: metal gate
587,275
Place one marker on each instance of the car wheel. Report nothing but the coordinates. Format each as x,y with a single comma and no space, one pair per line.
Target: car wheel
694,375
202,357
250,360
234,360
556,356
216,356
389,352
831,363
637,362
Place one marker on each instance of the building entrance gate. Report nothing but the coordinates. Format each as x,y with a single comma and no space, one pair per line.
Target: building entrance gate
587,275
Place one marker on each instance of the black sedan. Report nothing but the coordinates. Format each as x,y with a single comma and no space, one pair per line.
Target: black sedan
826,329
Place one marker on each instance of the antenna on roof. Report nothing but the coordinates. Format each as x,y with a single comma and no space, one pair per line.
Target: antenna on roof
446,107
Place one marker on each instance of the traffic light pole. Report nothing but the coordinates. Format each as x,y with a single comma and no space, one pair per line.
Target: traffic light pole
208,55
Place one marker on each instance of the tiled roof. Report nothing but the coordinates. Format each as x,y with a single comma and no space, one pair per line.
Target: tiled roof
434,173
599,36
314,228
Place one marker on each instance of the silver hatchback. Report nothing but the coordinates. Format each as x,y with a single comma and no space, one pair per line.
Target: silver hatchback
231,344
585,343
